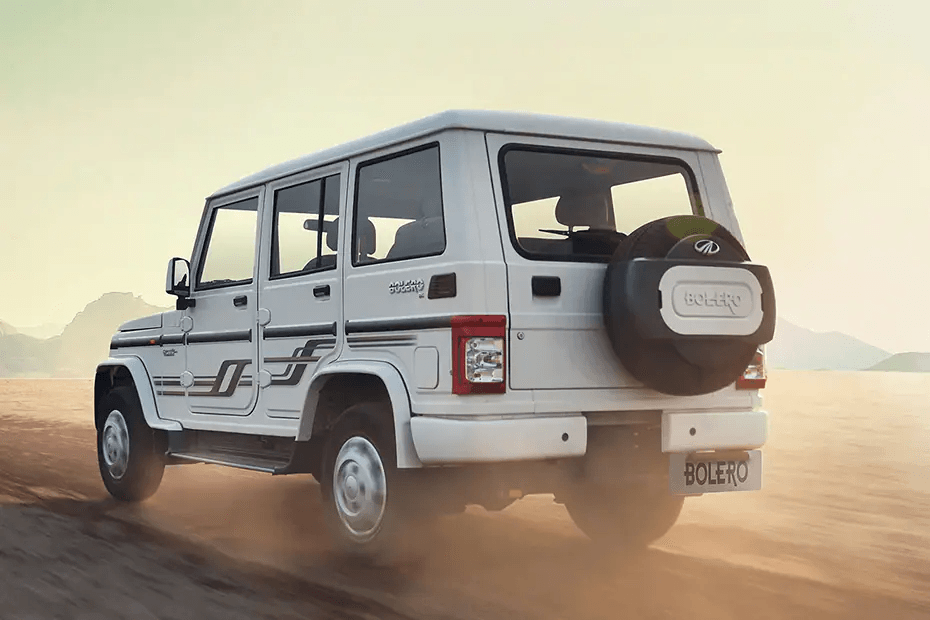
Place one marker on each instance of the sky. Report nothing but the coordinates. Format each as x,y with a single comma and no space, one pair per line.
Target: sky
117,119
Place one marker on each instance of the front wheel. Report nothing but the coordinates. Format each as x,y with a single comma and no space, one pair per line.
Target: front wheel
629,519
127,449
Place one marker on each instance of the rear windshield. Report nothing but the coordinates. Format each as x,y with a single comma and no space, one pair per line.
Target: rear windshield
577,205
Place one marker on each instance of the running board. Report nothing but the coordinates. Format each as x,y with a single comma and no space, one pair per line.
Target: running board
268,466
273,455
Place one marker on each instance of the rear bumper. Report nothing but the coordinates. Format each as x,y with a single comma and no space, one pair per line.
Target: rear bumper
442,440
689,432
446,441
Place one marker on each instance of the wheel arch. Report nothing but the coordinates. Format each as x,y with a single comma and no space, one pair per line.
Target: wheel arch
129,371
370,380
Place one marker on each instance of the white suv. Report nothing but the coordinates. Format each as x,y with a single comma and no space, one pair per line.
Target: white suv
462,310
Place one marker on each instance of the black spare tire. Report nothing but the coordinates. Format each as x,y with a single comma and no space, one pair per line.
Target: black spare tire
650,349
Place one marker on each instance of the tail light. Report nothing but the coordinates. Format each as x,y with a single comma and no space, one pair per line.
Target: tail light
478,354
753,378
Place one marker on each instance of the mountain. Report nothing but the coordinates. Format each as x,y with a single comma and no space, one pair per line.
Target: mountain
905,362
85,341
797,348
25,356
44,331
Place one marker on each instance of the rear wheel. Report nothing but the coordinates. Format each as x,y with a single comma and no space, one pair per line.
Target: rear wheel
366,499
628,520
620,497
128,455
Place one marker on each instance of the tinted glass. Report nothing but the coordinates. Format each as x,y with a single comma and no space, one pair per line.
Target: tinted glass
306,227
569,205
230,255
398,212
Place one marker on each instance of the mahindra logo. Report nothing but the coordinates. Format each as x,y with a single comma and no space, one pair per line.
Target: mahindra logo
707,247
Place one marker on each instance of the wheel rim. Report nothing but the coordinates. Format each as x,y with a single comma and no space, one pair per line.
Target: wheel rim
115,444
360,488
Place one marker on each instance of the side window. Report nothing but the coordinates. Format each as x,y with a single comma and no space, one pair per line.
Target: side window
398,208
305,235
230,245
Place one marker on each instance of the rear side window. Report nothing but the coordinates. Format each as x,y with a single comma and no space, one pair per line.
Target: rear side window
398,208
577,206
305,236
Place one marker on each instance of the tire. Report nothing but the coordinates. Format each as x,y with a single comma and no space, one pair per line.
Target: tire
129,453
366,501
657,238
677,366
624,520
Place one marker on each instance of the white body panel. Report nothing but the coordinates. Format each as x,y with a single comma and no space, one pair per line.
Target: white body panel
479,121
568,329
300,323
378,319
143,323
713,430
221,343
141,378
472,252
221,354
397,392
162,365
444,440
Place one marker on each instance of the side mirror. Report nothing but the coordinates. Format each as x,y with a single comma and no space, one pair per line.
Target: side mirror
177,282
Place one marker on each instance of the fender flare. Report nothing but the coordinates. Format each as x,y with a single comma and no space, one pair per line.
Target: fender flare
397,392
143,383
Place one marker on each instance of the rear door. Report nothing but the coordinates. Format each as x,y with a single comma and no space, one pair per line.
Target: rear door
301,285
546,191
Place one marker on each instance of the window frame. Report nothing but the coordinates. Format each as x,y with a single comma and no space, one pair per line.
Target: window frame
355,193
691,184
273,248
207,237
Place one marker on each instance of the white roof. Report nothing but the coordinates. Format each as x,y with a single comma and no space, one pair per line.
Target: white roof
481,120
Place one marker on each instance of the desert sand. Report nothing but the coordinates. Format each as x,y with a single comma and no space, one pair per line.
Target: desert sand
840,530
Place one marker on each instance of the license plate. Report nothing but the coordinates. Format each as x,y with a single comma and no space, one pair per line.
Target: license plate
691,474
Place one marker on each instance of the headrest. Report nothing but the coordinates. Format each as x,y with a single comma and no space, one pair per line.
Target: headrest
366,236
591,210
332,235
430,223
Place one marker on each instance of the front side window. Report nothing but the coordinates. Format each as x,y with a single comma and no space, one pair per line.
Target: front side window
305,236
398,208
229,256
578,206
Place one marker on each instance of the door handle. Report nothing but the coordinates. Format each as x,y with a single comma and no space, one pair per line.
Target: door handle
321,291
240,301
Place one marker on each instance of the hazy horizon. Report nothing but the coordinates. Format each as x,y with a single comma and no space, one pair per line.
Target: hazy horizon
118,119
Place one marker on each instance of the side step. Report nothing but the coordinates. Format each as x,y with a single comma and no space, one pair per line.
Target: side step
272,455
240,461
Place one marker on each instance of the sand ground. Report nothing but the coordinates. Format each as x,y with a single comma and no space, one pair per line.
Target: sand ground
841,530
